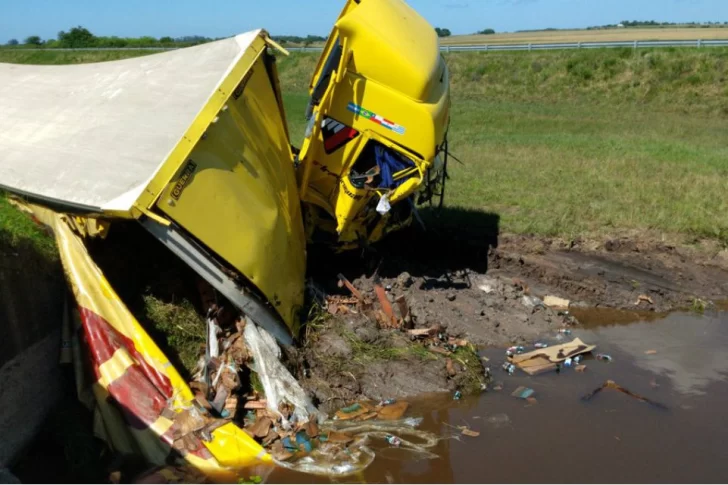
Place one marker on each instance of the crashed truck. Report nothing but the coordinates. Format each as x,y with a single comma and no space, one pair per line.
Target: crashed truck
194,145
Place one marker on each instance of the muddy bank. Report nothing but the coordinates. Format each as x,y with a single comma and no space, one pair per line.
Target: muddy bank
490,291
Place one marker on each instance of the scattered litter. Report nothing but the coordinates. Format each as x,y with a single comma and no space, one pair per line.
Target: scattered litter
457,395
567,363
531,400
425,332
345,282
556,303
383,206
580,368
644,298
390,320
438,350
613,385
353,411
577,359
650,352
469,432
488,289
565,331
393,411
604,357
393,440
531,301
523,392
508,367
546,359
540,345
515,350
387,402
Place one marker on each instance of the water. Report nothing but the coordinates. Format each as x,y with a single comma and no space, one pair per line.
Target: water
612,438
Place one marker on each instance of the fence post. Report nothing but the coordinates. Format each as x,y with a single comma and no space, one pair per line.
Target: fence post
447,49
636,44
578,46
529,46
700,43
486,47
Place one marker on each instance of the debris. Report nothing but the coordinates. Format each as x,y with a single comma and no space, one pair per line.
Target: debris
508,367
424,332
261,427
544,360
337,437
451,296
459,342
565,331
613,385
488,289
351,412
556,303
644,298
604,357
532,400
577,359
387,402
450,367
650,352
567,362
523,392
393,411
262,404
403,309
391,321
580,368
188,421
540,345
438,350
393,440
457,395
531,301
469,432
383,206
345,282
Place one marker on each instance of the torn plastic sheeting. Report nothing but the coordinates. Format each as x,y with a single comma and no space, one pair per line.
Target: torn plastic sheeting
278,383
134,381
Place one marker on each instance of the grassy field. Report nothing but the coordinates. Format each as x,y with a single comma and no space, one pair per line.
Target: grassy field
587,143
607,35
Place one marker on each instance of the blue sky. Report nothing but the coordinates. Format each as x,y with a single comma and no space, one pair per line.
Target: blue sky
218,18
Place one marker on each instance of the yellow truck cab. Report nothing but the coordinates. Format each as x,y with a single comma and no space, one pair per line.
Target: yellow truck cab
377,124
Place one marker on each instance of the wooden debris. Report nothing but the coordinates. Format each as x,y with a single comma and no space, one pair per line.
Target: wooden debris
351,412
261,427
580,368
345,282
393,411
186,422
262,404
311,428
460,342
469,432
338,437
424,332
450,367
391,320
438,350
368,416
650,352
531,400
556,303
644,298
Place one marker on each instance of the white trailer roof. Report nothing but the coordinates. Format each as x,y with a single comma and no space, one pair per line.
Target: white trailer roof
93,135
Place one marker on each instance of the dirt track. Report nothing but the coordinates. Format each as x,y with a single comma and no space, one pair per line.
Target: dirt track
475,288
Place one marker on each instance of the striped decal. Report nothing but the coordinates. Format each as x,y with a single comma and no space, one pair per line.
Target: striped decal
375,118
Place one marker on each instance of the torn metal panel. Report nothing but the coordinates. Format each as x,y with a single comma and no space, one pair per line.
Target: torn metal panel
134,380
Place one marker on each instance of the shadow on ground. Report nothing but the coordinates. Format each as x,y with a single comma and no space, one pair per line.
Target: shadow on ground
454,239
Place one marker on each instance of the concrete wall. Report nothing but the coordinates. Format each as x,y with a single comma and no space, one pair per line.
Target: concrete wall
31,311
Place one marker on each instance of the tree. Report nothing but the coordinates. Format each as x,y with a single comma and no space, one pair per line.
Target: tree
443,32
13,42
487,32
33,40
76,37
166,40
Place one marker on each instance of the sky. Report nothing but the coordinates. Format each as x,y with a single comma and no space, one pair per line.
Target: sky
221,18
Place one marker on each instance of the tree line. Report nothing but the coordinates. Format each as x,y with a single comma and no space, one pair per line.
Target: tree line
441,32
654,23
81,37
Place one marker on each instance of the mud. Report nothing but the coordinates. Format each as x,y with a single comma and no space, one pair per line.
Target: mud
477,286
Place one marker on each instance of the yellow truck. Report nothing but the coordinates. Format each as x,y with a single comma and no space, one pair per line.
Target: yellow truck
193,143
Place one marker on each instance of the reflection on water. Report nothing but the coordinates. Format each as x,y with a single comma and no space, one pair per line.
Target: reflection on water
612,438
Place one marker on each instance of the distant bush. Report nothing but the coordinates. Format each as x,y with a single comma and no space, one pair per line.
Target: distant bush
487,32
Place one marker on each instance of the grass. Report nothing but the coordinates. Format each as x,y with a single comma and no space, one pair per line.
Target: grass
588,143
180,325
566,143
30,56
18,233
606,35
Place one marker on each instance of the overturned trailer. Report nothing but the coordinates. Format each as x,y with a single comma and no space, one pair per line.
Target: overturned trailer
194,145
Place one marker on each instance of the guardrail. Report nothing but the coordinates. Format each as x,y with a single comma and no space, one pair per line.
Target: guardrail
635,44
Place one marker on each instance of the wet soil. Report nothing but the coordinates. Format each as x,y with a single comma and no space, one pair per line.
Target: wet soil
483,288
679,361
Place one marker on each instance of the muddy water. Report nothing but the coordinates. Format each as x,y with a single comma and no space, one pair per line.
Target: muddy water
612,438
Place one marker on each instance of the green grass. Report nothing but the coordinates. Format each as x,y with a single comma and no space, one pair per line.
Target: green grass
587,143
566,143
30,56
19,232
